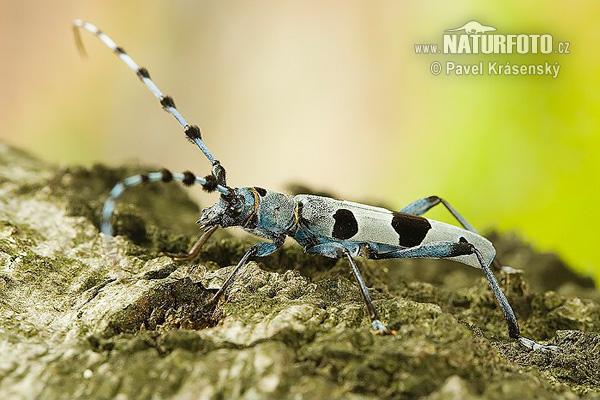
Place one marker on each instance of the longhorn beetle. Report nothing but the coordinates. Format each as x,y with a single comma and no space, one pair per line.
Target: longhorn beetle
321,225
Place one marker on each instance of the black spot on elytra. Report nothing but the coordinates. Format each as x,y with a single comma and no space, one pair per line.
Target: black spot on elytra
411,229
262,192
345,225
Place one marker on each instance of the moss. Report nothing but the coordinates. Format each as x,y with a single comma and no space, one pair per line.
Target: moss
83,317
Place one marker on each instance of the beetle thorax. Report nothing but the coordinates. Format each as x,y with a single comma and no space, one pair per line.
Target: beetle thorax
277,212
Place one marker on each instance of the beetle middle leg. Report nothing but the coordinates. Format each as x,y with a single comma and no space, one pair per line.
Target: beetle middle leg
336,250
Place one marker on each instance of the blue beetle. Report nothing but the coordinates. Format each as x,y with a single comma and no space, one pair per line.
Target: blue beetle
321,225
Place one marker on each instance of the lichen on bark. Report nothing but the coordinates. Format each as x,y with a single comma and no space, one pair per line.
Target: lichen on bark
83,317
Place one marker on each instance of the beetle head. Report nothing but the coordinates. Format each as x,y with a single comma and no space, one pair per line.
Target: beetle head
231,210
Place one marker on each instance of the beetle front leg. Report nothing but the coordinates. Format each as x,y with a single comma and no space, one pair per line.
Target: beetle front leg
261,249
196,248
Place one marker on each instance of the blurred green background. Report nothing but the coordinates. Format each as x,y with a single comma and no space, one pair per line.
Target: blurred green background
327,93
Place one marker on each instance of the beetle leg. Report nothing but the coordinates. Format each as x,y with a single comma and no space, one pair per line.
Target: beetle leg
336,250
196,248
421,206
454,249
261,249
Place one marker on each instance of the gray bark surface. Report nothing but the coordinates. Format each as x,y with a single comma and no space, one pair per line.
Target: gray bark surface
85,317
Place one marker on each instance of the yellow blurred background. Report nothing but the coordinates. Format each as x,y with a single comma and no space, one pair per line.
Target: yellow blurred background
327,93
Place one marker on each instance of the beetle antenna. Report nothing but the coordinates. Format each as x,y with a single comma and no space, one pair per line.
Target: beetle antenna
192,132
209,184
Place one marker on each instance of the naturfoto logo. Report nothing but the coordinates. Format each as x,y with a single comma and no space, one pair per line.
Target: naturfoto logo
474,37
478,41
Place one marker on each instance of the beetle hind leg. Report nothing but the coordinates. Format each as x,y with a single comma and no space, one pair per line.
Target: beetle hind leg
454,249
509,316
421,206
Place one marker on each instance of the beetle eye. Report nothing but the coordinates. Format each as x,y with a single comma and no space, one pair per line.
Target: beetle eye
233,211
236,206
